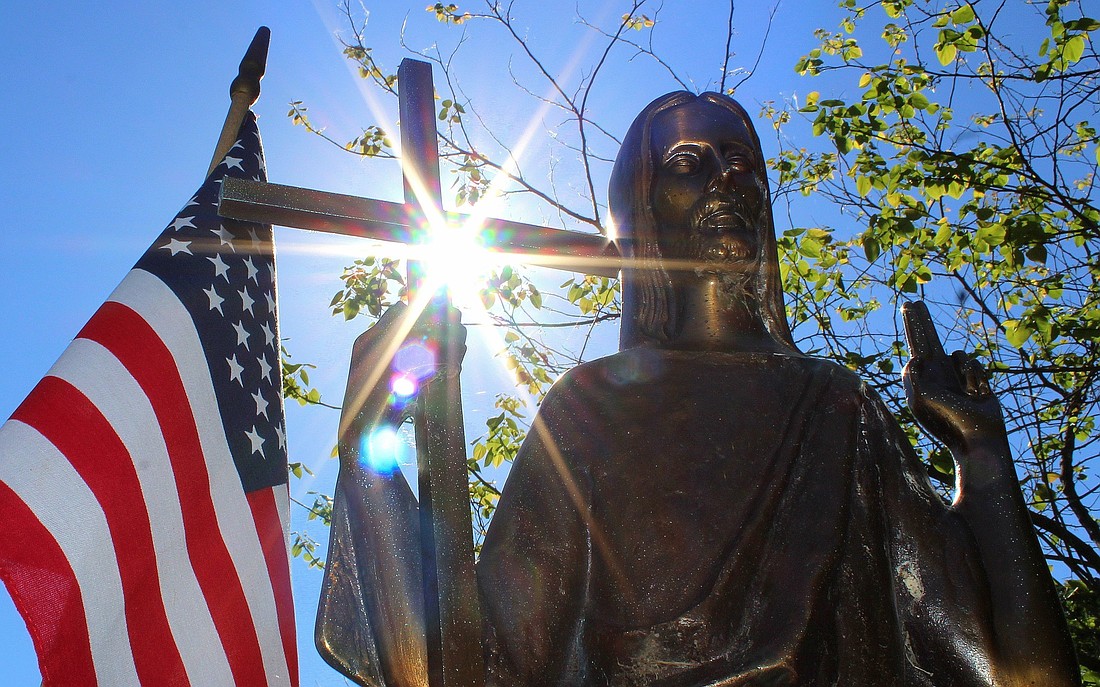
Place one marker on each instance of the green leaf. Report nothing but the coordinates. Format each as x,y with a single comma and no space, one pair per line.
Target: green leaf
1017,333
963,15
351,309
809,247
863,185
1074,49
946,53
871,248
1085,24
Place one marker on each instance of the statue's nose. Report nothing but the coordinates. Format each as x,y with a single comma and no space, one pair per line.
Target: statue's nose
723,176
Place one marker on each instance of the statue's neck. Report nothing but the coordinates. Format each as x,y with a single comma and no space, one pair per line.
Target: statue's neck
717,314
713,313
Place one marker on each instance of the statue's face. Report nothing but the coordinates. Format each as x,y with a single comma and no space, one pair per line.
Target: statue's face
707,196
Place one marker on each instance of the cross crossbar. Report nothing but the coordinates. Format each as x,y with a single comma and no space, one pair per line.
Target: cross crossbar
381,220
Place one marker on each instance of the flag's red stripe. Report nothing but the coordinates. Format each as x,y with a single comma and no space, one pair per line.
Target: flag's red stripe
76,427
130,338
270,530
44,588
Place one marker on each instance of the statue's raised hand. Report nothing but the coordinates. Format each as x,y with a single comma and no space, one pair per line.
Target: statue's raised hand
948,394
418,350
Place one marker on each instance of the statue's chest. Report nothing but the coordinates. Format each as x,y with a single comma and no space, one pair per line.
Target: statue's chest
680,465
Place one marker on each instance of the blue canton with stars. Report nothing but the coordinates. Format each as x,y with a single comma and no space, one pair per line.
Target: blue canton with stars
223,271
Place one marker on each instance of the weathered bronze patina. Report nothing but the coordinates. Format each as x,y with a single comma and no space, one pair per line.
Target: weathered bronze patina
710,506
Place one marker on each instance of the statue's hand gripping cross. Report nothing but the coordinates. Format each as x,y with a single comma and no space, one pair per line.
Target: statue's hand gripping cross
453,625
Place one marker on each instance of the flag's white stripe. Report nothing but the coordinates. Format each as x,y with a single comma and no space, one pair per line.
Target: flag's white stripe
93,370
157,305
282,504
51,487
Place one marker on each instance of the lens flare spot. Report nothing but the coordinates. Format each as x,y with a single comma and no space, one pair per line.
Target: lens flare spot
415,361
382,451
403,386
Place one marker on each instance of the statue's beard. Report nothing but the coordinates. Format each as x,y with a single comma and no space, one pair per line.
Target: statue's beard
723,237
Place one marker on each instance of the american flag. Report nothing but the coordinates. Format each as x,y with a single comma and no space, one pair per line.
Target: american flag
143,482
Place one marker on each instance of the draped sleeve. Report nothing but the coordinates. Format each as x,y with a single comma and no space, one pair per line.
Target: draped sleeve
939,587
532,573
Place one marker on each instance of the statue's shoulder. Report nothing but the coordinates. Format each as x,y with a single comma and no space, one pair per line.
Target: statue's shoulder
629,367
843,382
582,378
638,367
843,376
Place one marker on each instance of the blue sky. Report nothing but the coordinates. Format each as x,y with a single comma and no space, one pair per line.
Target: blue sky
112,113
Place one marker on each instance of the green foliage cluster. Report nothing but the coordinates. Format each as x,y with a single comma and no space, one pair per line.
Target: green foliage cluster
960,148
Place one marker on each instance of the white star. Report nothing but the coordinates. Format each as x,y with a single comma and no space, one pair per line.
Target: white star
215,300
261,404
193,201
242,334
177,247
256,439
220,268
271,271
236,144
246,300
265,368
269,336
282,435
270,302
182,223
252,271
231,162
255,237
235,369
225,236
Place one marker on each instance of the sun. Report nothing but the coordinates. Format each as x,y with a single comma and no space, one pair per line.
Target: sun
455,258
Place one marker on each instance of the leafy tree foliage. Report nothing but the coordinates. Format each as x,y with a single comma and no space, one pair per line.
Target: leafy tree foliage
961,144
953,147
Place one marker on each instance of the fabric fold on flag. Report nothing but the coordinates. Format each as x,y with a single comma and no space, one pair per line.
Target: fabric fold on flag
143,482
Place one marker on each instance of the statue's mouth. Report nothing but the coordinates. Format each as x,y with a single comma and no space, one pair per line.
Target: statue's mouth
716,214
722,220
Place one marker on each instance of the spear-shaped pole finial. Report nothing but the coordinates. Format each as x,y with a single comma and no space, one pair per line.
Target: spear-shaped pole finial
244,91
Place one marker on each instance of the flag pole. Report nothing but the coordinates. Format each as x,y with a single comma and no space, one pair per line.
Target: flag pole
244,91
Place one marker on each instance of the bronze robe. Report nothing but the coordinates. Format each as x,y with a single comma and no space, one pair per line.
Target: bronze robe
688,519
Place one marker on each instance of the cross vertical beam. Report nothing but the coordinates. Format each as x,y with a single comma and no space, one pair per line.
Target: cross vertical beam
451,609
419,152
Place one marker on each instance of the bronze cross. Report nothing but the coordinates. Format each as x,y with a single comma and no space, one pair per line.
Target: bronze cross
450,594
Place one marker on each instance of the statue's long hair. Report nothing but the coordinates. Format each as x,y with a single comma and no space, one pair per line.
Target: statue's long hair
651,312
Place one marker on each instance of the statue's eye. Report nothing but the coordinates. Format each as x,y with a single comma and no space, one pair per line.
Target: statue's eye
739,163
682,162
